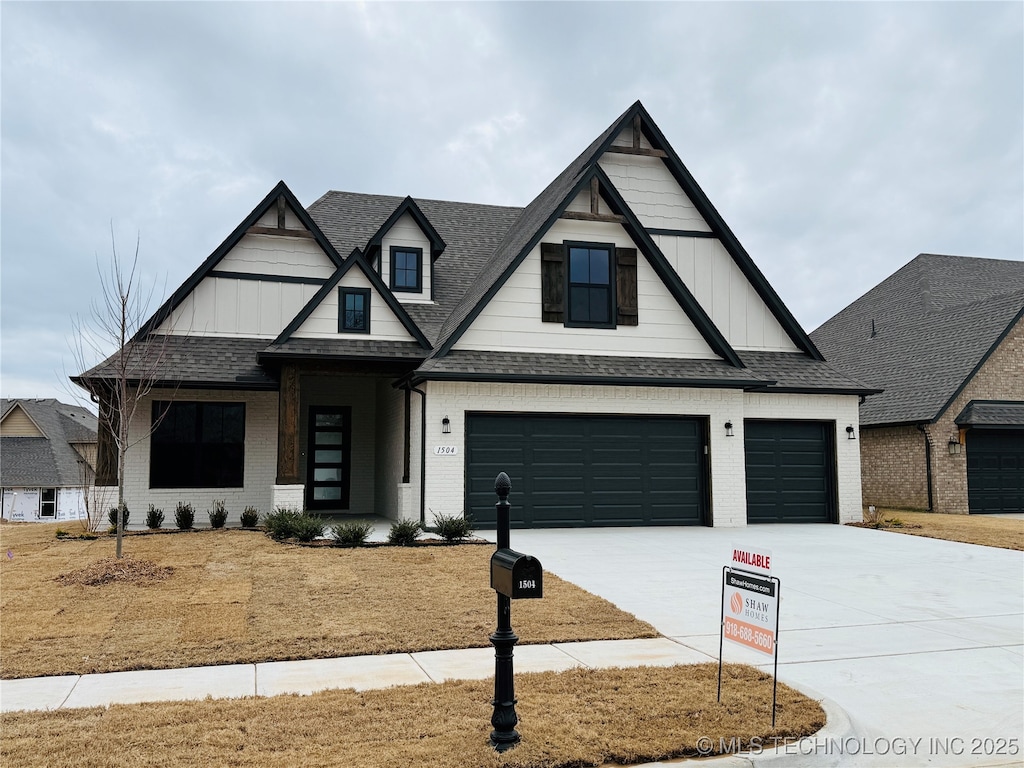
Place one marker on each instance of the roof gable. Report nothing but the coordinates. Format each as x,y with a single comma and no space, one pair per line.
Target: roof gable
407,206
281,199
18,422
358,261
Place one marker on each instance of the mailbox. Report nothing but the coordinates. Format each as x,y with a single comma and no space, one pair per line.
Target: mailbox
516,575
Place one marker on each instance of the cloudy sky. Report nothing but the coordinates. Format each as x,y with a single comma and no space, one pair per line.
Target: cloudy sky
838,140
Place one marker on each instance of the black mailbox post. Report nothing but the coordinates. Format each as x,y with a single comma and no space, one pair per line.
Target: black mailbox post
513,576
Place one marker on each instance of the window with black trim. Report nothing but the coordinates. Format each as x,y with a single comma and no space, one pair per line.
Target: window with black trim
353,310
590,286
197,445
406,269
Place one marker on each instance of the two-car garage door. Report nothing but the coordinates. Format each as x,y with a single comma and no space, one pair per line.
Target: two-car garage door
576,470
570,471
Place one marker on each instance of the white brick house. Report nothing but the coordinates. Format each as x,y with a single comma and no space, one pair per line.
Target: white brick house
611,346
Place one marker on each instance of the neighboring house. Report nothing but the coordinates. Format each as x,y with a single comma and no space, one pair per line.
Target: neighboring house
47,459
611,346
943,337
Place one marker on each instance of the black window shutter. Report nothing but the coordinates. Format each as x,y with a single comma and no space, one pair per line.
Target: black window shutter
625,286
552,280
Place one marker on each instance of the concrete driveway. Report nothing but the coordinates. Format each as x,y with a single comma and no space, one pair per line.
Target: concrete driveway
920,641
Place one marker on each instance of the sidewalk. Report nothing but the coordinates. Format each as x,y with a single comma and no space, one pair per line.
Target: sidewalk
308,676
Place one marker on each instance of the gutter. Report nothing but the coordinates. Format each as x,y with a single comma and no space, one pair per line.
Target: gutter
928,465
423,452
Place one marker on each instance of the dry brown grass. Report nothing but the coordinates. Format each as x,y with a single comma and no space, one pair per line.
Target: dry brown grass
575,718
1003,532
237,597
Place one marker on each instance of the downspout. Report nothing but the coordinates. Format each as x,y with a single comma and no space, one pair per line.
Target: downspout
928,465
423,454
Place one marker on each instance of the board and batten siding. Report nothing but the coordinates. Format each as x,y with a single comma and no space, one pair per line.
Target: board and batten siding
714,279
322,322
511,321
406,233
255,308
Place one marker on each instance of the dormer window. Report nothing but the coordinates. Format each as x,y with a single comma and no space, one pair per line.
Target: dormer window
406,269
354,310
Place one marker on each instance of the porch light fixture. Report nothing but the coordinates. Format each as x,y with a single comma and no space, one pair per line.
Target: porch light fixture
446,426
954,445
850,434
728,429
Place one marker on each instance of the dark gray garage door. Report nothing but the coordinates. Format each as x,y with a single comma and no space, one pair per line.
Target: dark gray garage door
995,470
587,470
790,471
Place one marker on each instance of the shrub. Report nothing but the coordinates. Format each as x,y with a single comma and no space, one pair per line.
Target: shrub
62,534
250,517
404,532
184,516
280,524
218,515
154,518
453,528
308,527
112,517
352,533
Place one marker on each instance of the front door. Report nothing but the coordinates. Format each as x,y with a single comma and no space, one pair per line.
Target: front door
328,460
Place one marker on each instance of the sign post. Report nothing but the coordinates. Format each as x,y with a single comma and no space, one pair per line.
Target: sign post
750,608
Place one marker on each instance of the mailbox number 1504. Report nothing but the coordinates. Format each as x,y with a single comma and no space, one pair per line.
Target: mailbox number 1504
527,583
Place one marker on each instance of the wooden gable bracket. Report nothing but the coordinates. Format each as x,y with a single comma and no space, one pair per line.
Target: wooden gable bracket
595,208
636,149
280,230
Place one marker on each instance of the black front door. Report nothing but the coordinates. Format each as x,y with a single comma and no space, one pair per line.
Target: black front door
328,460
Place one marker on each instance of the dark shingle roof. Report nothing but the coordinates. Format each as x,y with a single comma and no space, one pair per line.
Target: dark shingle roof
49,461
992,413
920,334
345,348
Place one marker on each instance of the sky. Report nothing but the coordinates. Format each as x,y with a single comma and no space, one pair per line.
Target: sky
837,140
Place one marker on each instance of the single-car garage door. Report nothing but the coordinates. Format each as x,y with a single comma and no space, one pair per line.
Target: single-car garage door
790,470
995,470
571,471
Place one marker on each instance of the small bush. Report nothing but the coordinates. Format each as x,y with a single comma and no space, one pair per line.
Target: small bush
218,515
453,528
250,517
308,527
154,518
404,532
280,524
352,533
62,534
184,516
112,517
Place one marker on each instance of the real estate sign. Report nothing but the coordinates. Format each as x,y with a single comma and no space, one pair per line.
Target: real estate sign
750,610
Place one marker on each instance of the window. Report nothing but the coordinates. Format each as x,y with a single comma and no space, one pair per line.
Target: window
590,285
353,310
197,445
406,269
48,502
328,462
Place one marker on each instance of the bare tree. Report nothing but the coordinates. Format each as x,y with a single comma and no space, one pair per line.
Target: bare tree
122,382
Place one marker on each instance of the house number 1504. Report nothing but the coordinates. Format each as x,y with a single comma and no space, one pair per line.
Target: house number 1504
446,450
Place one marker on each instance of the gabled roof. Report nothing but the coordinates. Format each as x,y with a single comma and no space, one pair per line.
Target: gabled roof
49,461
279,191
357,260
922,333
408,206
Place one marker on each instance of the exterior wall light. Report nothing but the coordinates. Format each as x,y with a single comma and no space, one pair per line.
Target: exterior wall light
446,426
728,429
850,434
954,445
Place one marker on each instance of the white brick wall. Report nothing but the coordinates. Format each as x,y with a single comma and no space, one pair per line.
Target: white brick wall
260,467
445,487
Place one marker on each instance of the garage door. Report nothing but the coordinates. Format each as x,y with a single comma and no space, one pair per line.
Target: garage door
995,470
587,471
789,471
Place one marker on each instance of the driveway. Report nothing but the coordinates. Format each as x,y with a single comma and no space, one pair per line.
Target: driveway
920,641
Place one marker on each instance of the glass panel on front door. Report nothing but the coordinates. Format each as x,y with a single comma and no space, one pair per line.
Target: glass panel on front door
328,458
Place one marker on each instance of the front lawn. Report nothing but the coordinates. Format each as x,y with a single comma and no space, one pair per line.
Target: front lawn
234,596
1004,532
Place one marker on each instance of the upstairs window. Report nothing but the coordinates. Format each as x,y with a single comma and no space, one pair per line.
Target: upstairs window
590,285
197,445
406,269
354,310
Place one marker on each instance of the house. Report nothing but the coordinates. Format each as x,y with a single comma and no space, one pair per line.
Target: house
47,457
943,337
611,346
